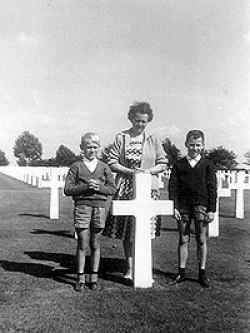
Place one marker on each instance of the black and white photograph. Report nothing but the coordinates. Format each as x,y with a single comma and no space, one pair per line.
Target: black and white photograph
125,166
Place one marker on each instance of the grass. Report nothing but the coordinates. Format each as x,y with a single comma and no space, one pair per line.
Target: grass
37,266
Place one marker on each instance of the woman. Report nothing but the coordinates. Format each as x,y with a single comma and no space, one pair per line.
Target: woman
134,150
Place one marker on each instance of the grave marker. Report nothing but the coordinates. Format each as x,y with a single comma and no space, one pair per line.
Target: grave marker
213,227
239,184
143,207
54,184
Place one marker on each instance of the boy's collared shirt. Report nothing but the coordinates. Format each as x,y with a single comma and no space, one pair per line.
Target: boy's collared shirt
193,161
91,165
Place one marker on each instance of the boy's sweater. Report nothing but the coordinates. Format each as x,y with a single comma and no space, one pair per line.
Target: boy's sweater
193,186
76,184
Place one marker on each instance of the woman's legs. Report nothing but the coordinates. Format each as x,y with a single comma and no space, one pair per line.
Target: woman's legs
128,250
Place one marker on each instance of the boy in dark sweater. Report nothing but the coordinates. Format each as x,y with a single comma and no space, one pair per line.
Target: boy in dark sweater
192,187
89,182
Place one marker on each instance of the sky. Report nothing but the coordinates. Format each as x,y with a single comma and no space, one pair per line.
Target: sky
72,66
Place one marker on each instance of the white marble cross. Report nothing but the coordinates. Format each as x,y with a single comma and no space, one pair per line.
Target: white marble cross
54,184
213,227
238,183
143,207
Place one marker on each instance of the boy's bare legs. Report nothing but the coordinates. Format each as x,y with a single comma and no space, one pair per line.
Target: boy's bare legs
201,239
95,255
183,227
82,245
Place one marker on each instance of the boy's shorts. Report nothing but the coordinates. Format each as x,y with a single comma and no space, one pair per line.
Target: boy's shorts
198,214
89,217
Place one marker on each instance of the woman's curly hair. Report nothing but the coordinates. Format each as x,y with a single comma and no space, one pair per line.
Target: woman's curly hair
142,108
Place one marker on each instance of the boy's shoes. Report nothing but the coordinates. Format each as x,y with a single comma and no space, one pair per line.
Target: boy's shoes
79,286
203,279
93,285
179,278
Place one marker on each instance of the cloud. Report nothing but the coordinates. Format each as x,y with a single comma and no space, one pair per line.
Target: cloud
246,37
26,39
166,131
239,119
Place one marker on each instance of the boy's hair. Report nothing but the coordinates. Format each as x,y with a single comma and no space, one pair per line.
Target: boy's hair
90,136
196,134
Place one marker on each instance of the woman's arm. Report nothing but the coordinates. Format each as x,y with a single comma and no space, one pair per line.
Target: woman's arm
118,168
158,169
115,157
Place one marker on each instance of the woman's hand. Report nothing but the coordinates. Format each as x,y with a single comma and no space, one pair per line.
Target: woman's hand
140,170
210,216
177,215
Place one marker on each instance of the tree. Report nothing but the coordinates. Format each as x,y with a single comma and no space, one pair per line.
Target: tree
65,157
173,153
3,159
50,162
27,148
222,158
247,155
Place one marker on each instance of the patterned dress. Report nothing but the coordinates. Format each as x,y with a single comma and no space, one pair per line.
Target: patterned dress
122,227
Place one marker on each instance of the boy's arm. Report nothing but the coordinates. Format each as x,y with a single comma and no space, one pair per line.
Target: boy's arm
71,188
109,187
212,188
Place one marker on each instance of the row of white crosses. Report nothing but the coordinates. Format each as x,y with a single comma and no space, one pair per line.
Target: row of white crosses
238,180
143,207
55,182
41,177
53,178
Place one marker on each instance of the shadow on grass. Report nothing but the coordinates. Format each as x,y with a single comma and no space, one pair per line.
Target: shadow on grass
227,216
37,270
60,273
62,233
167,275
35,215
111,269
170,276
169,229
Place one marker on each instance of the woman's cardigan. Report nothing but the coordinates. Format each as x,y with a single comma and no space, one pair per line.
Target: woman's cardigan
152,154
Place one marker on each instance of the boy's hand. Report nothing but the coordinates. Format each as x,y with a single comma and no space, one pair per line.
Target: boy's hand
210,216
94,185
177,215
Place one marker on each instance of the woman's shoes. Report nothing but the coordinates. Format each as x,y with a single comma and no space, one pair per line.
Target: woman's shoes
128,276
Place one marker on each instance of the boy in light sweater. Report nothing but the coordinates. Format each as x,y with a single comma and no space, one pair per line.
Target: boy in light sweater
89,182
192,187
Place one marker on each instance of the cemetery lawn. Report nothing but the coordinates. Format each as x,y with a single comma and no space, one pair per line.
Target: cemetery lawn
37,266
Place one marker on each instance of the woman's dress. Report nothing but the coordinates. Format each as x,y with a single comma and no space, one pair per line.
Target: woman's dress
122,227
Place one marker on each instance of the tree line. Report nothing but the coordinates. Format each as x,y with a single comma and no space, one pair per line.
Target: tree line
28,151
